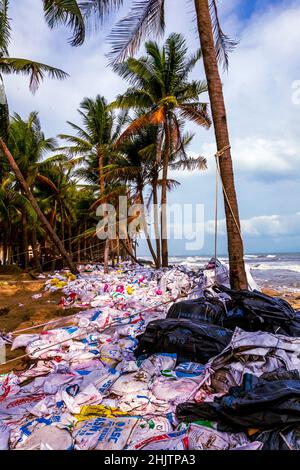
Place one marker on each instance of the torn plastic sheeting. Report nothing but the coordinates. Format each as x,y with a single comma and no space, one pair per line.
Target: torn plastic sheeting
253,352
287,438
258,403
19,404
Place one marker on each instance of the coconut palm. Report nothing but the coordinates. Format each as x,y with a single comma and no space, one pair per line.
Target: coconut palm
145,19
13,206
160,87
36,71
95,140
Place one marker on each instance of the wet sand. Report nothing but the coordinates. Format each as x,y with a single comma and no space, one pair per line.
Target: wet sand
18,310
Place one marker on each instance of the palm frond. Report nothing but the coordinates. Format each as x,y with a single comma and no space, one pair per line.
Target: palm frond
199,163
223,43
146,17
196,112
45,180
35,70
95,12
4,112
68,13
4,27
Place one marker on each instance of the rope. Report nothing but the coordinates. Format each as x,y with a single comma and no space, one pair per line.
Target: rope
79,237
219,154
216,221
23,356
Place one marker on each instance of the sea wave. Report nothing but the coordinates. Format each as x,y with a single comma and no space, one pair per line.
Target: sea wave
277,266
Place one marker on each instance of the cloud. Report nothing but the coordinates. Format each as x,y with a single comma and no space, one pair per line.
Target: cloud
263,119
271,226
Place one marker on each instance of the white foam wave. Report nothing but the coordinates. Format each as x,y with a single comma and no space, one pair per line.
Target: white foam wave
277,266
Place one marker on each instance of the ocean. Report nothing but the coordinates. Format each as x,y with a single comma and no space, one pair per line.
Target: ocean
278,271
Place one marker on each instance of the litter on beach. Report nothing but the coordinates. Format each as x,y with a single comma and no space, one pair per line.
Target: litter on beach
153,368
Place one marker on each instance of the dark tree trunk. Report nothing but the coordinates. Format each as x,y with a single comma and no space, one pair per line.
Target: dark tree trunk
238,277
35,250
106,255
25,254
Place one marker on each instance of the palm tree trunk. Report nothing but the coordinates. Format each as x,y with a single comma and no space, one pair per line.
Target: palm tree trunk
238,277
69,237
146,230
118,249
102,189
106,255
156,228
25,242
163,228
129,251
35,251
85,240
35,206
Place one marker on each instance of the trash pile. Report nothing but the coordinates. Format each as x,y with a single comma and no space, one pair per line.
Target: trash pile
159,360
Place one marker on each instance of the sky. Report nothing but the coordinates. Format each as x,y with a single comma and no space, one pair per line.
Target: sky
262,94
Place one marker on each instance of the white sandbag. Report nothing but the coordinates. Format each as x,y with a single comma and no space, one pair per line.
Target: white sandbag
4,437
103,433
48,436
115,433
130,383
23,340
74,399
136,402
206,438
147,428
101,378
157,362
177,440
174,391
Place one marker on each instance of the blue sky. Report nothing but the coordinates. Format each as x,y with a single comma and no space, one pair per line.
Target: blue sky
264,120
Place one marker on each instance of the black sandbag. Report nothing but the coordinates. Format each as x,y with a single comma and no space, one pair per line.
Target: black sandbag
255,311
248,310
190,340
203,309
257,403
261,305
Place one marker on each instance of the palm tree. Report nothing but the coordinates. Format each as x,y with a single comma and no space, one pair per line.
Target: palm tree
147,18
36,72
94,141
161,89
13,206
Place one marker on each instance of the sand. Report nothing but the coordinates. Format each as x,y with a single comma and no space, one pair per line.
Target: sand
18,310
